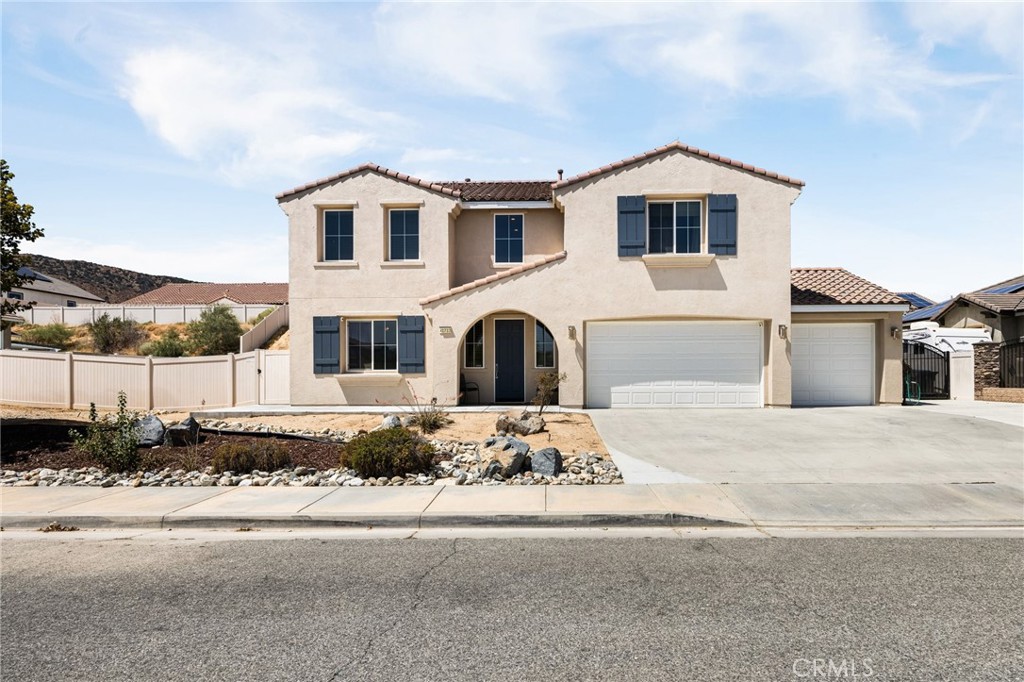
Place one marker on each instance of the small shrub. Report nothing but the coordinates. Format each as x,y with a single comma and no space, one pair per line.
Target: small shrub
56,334
428,417
547,389
245,458
387,452
112,334
216,332
170,345
262,316
111,442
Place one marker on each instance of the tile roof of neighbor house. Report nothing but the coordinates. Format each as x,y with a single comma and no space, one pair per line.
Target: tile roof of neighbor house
1001,297
530,190
207,294
676,146
836,286
505,274
51,285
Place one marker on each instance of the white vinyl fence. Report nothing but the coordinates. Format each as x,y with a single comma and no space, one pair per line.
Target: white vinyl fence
71,380
160,314
264,329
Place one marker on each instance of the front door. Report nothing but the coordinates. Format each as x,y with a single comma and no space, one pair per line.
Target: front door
508,361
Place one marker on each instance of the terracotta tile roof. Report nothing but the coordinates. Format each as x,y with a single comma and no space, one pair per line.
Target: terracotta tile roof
836,286
206,294
505,274
676,146
373,168
999,303
501,190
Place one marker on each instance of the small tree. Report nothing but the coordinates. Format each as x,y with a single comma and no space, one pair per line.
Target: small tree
112,334
547,389
170,345
16,226
111,442
216,332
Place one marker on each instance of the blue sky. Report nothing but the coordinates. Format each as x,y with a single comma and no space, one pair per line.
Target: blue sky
154,136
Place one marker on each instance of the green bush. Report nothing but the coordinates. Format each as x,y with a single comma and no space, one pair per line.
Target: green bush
216,332
170,345
111,442
112,334
56,334
259,318
388,452
243,458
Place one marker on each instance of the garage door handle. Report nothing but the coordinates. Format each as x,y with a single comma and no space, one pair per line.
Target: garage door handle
496,370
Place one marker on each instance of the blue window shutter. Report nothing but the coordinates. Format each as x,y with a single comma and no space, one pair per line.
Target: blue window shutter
632,226
412,351
326,345
722,224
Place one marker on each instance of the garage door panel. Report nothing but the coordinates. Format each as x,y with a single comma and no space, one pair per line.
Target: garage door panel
673,364
833,364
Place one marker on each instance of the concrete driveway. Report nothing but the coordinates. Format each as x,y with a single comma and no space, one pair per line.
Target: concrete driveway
959,443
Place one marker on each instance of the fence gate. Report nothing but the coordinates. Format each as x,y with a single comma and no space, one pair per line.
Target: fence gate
928,367
1011,364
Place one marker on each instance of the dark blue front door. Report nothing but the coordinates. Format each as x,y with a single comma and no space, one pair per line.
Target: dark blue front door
508,361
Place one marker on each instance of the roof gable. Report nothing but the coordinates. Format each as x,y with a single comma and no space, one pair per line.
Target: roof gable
371,168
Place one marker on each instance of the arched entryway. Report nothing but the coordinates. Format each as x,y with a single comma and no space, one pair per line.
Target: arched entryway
501,357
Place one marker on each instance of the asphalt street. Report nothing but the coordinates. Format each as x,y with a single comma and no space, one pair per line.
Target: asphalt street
561,608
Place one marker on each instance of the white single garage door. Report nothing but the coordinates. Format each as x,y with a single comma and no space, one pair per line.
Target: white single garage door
674,364
834,364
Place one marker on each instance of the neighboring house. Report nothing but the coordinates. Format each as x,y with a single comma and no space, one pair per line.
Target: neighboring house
662,280
46,290
915,299
997,308
210,294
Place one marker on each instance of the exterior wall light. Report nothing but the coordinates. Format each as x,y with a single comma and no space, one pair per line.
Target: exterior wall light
572,333
783,331
895,332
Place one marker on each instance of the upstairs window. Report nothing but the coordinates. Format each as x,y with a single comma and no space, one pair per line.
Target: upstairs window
338,238
372,345
508,238
474,358
16,295
404,234
674,226
545,347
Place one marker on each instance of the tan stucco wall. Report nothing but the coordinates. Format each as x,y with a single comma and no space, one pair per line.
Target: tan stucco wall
1002,328
888,351
474,240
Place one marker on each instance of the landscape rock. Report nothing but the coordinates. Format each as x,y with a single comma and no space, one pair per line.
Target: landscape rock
151,431
525,424
184,433
547,462
493,467
390,422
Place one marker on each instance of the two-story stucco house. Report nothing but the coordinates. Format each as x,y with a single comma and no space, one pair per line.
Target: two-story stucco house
662,280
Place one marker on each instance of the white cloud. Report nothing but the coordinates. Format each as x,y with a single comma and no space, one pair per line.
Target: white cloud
995,25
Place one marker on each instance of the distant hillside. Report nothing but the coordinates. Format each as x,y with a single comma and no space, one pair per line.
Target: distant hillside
110,283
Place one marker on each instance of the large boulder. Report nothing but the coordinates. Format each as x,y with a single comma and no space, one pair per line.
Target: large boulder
509,452
151,431
547,462
525,424
185,432
390,422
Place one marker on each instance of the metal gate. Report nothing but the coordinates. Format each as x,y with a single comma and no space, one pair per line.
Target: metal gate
926,368
1011,364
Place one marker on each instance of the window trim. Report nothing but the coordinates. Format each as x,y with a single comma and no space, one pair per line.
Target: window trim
322,255
702,201
419,232
347,368
554,346
483,343
494,242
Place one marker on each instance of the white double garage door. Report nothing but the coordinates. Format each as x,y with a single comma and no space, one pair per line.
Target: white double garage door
720,364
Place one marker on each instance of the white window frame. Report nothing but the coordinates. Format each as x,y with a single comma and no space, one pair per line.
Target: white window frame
483,340
323,235
419,235
554,347
494,240
371,320
673,201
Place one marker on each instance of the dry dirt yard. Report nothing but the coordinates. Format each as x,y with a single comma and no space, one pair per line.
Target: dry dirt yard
569,432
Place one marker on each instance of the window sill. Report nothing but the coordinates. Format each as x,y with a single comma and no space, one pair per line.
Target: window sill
336,265
403,264
678,260
369,378
504,266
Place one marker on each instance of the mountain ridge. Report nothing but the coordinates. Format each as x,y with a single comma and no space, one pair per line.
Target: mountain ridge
110,283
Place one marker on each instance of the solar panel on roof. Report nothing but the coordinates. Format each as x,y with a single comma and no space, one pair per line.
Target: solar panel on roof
924,313
1009,289
917,300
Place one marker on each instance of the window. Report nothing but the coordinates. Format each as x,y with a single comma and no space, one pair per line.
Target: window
372,345
508,239
674,226
16,295
545,344
404,234
338,240
474,354
72,304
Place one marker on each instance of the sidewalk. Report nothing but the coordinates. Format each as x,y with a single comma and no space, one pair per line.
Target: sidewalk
444,506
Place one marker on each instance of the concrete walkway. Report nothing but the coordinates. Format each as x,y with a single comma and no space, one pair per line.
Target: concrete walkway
680,504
